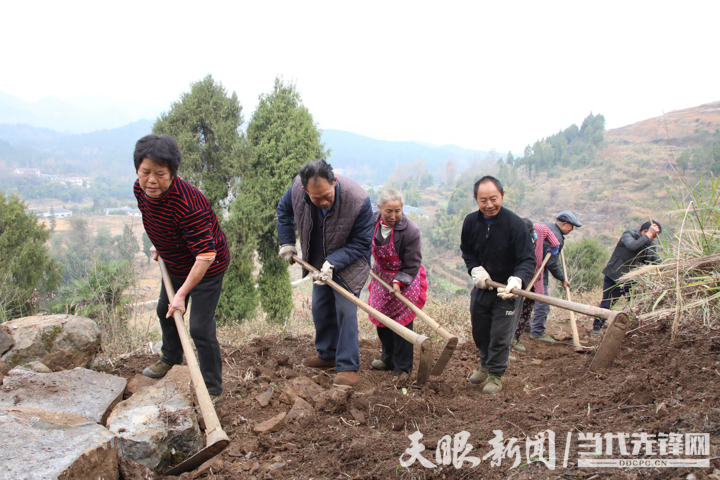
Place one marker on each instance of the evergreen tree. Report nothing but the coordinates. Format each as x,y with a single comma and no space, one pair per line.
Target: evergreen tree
146,245
683,161
53,220
206,124
510,160
281,137
128,244
26,270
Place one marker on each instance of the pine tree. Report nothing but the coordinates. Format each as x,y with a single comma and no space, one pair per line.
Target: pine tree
146,245
206,124
128,245
53,221
282,137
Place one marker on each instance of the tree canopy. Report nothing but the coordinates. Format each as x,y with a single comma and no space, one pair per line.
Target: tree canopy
206,124
574,147
281,137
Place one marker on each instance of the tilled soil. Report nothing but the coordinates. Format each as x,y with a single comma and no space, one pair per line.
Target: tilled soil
654,386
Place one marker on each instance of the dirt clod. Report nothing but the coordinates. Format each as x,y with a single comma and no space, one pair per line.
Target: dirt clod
272,425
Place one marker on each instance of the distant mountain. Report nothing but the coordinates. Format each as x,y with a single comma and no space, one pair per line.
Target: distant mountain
363,158
107,151
80,114
366,159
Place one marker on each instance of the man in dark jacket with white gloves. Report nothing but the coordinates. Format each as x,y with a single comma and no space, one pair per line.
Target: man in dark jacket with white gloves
334,219
496,245
636,247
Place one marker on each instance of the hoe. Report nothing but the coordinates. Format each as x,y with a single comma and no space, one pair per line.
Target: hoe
617,321
451,340
423,342
216,438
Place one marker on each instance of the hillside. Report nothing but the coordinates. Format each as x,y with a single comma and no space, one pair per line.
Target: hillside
101,151
628,183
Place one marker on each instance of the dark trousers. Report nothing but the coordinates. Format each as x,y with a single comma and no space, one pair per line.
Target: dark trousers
336,328
612,292
205,296
525,313
542,310
493,324
397,353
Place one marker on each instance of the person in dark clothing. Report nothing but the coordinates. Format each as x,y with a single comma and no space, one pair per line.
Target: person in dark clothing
397,250
185,233
334,220
495,245
565,223
636,247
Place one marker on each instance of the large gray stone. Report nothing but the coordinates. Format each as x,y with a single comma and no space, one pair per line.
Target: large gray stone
6,340
81,391
41,444
156,420
61,342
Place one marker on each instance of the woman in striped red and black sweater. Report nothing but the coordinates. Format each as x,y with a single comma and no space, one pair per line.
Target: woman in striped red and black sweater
185,232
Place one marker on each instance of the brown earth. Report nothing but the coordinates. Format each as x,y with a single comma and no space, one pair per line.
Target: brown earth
654,386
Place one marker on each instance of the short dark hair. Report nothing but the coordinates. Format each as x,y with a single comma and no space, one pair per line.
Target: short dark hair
487,178
162,149
648,224
316,168
529,225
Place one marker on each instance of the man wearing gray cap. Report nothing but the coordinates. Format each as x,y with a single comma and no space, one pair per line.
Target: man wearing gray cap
565,222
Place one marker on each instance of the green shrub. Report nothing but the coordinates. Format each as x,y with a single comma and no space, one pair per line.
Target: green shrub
585,261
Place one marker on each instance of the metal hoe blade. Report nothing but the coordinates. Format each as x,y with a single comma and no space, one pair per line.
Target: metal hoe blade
450,339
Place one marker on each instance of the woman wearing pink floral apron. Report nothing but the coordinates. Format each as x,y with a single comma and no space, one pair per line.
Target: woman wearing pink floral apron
396,249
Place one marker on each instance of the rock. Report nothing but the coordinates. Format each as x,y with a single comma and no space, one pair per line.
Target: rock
264,398
214,465
61,342
332,400
322,380
157,419
289,395
39,444
4,368
138,382
306,388
79,391
357,415
300,410
38,367
535,361
157,348
272,425
2,377
6,340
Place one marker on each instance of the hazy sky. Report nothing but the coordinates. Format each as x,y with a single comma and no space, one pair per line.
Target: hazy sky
474,74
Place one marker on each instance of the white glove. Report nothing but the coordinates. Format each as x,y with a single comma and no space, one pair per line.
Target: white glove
506,292
479,277
326,273
287,252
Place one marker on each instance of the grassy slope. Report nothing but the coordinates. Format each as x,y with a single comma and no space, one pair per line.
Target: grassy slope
626,185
